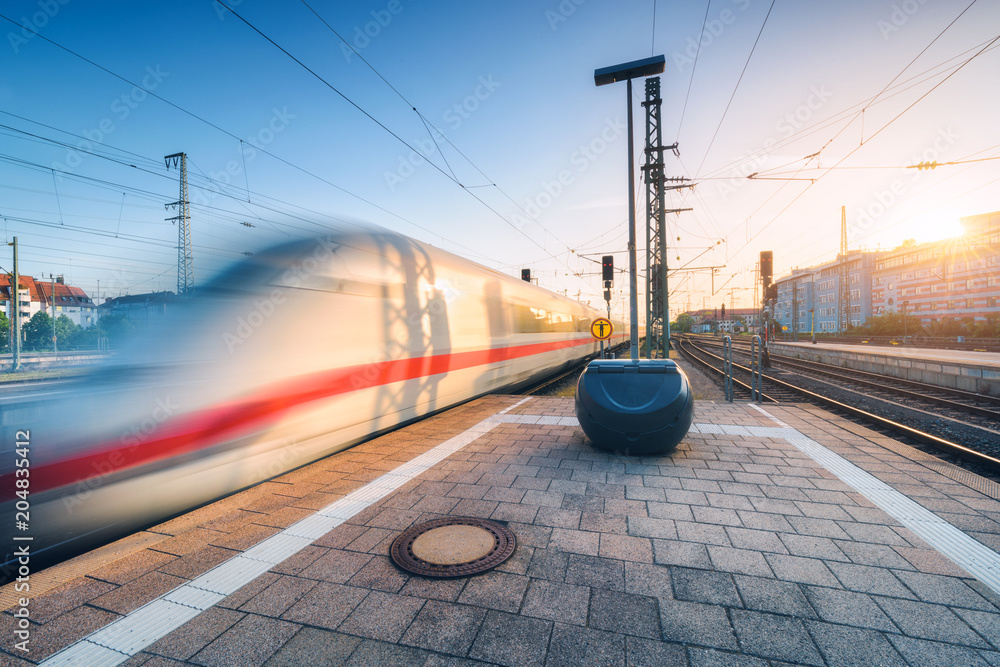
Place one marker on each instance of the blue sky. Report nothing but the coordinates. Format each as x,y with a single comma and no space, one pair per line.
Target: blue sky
531,171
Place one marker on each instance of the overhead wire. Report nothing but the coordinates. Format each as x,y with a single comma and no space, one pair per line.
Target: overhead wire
393,134
694,67
219,128
736,88
431,129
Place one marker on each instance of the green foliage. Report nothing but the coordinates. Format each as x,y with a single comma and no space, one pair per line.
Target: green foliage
988,329
116,328
889,324
37,332
4,333
683,324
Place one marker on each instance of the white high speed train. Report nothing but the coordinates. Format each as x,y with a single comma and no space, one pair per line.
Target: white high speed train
292,355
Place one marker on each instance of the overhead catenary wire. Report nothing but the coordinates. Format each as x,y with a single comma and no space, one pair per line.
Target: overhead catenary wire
432,129
736,88
191,114
694,67
393,134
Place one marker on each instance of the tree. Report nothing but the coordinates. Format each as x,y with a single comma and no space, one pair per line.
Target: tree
66,332
4,333
683,324
38,332
989,328
889,324
116,328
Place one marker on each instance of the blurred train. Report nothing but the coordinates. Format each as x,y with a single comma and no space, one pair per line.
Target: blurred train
292,355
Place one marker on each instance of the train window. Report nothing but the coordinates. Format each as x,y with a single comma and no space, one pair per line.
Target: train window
560,322
529,320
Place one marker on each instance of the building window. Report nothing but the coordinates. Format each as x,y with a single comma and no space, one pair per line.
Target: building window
970,284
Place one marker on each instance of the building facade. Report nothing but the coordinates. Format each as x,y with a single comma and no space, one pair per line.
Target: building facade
141,308
953,279
794,309
53,297
809,299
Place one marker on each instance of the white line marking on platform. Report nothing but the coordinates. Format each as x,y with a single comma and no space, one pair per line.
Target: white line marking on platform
117,642
980,561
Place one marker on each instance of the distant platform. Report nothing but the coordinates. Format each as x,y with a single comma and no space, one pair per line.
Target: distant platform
988,359
779,533
958,369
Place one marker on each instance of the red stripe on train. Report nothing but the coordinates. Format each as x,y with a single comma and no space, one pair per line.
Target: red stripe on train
194,432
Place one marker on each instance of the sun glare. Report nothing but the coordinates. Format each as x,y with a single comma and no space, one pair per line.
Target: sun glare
933,226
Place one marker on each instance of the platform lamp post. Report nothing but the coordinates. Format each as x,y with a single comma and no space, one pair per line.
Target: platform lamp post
905,304
627,72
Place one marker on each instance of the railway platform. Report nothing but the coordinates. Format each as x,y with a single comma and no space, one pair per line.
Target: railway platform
772,535
968,370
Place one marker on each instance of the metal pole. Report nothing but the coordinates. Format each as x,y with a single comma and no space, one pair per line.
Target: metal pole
727,354
55,346
16,300
756,384
666,292
633,300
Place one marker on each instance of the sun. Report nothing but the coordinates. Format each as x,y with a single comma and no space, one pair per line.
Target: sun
933,225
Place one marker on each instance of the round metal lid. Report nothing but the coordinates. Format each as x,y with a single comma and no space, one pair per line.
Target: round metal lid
452,547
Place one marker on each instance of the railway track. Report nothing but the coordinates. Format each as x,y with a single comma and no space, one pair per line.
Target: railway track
959,425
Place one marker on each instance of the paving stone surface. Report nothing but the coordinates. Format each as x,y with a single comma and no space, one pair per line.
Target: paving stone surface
735,549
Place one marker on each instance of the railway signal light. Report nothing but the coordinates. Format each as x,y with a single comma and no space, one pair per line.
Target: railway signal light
526,275
766,266
608,269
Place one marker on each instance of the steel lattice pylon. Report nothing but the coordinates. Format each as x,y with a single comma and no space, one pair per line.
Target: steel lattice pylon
185,261
657,303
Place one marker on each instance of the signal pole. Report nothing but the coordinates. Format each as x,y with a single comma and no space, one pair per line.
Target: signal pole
185,260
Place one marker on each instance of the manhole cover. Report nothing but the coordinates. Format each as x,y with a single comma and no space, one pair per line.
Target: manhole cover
454,547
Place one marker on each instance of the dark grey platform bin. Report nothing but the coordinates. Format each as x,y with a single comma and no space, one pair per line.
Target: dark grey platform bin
634,407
